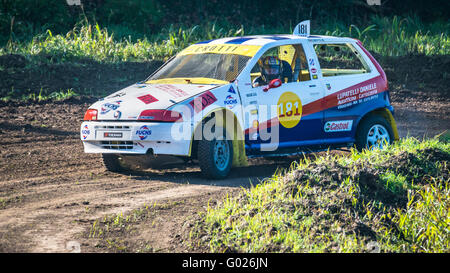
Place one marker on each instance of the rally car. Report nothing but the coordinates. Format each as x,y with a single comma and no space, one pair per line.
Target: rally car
220,102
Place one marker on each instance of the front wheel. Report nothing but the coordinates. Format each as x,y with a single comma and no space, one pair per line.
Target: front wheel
374,132
215,157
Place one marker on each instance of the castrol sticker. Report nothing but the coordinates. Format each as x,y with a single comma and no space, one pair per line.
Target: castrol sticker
338,126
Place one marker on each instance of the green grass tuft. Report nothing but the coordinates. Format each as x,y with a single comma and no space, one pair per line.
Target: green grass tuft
393,200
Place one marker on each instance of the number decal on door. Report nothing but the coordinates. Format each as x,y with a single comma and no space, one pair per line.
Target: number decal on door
289,109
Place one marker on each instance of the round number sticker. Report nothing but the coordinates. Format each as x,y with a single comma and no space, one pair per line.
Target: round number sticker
289,109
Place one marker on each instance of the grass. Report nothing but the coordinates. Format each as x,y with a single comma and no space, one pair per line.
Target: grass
395,200
89,46
43,95
92,42
386,36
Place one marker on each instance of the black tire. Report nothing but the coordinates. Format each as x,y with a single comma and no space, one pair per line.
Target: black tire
371,124
112,163
210,165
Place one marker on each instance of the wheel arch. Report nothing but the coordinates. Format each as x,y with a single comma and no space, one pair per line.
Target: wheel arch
386,114
237,133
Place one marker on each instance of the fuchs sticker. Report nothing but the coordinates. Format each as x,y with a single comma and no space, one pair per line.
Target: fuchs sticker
203,101
85,132
338,126
230,102
147,99
112,135
143,132
105,108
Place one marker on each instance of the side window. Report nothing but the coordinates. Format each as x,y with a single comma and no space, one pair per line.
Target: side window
340,60
293,65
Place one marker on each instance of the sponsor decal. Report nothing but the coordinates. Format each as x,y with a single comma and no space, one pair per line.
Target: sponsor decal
338,126
289,109
85,132
331,100
311,62
202,101
328,86
172,90
230,102
117,114
254,112
147,99
255,124
351,96
231,90
117,95
140,85
112,135
246,50
336,98
251,95
105,108
315,77
313,70
143,132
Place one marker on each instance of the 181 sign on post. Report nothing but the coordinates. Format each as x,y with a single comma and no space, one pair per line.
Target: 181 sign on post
302,29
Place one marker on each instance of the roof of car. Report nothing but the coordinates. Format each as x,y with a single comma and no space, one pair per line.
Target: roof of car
265,39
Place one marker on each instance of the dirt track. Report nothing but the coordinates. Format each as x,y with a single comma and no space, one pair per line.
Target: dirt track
51,192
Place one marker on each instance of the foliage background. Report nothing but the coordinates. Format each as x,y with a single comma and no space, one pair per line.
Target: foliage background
24,19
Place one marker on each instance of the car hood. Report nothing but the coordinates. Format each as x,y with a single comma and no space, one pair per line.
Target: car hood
128,103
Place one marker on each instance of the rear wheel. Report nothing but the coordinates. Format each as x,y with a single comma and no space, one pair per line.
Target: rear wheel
374,132
215,157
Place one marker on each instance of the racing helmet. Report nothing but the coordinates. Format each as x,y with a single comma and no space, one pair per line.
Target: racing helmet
271,68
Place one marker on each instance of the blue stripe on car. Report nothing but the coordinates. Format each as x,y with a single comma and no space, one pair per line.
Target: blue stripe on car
204,42
238,40
274,38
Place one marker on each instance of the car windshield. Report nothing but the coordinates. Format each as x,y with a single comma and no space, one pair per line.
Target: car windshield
202,68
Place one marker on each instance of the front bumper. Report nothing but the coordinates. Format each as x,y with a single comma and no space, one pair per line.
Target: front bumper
133,138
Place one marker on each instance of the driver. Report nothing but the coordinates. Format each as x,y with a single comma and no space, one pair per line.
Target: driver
271,68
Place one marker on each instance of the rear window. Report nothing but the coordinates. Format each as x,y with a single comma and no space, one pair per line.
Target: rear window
340,60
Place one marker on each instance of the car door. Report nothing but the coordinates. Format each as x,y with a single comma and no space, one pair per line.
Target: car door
343,72
282,117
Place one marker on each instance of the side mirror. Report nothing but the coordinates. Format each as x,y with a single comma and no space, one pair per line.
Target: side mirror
273,84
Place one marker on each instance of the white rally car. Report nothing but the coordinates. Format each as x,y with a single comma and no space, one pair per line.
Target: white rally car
222,101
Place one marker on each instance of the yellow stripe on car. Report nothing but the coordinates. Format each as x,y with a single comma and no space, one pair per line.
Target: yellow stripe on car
245,50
